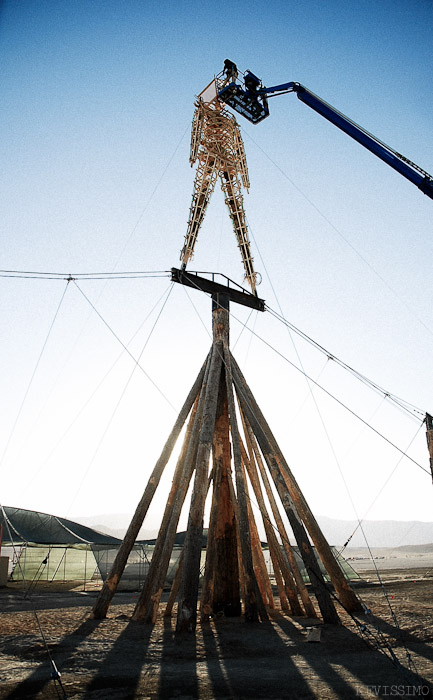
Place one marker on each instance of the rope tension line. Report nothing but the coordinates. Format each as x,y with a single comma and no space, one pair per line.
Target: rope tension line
404,405
341,403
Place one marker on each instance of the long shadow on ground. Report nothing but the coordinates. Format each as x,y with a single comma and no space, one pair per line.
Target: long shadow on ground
251,660
41,676
179,659
276,662
353,668
122,666
401,637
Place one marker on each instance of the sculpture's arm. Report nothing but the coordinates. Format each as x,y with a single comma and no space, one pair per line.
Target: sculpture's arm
196,132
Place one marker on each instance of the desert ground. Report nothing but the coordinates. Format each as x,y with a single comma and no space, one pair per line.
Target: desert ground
388,652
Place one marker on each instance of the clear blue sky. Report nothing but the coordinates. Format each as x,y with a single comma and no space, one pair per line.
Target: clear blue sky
97,101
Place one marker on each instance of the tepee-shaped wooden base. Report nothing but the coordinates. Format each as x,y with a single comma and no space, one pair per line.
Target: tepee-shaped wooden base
229,447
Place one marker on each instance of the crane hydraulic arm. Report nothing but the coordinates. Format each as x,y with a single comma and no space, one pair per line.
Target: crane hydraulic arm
251,100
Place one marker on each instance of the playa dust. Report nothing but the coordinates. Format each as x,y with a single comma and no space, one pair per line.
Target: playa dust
388,652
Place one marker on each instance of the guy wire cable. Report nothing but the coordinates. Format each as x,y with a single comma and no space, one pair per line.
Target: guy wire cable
341,403
381,489
55,676
280,316
126,348
328,393
69,276
26,393
340,234
365,380
122,394
152,194
93,393
382,644
165,273
315,401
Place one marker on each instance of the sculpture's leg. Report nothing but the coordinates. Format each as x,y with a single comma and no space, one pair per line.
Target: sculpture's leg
204,184
231,187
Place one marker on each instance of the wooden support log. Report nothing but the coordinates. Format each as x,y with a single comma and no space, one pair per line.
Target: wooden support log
221,589
324,600
282,592
300,585
277,559
188,596
253,604
208,579
259,563
346,595
175,586
178,577
110,585
224,576
238,540
283,577
148,603
221,330
279,565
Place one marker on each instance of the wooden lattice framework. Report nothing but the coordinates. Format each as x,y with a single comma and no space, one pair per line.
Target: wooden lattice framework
228,447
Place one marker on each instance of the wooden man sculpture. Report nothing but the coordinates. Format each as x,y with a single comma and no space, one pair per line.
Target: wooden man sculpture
217,145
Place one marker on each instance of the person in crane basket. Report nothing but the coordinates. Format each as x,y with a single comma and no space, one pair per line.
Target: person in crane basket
230,71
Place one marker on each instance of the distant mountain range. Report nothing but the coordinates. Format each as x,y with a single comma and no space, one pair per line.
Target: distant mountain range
378,533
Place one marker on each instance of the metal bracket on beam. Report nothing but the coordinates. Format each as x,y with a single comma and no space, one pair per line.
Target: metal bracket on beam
235,293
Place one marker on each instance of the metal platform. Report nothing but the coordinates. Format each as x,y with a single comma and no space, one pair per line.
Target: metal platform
234,291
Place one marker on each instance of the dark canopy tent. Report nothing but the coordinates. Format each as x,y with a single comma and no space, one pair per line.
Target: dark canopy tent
29,526
50,548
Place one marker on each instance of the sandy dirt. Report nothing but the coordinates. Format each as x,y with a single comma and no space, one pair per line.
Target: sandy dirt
388,653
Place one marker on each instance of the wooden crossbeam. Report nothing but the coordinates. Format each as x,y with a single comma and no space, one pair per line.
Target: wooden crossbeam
235,293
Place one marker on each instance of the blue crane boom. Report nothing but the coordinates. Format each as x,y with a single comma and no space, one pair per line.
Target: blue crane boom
251,100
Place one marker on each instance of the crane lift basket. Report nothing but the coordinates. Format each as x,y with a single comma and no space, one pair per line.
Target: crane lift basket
250,99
